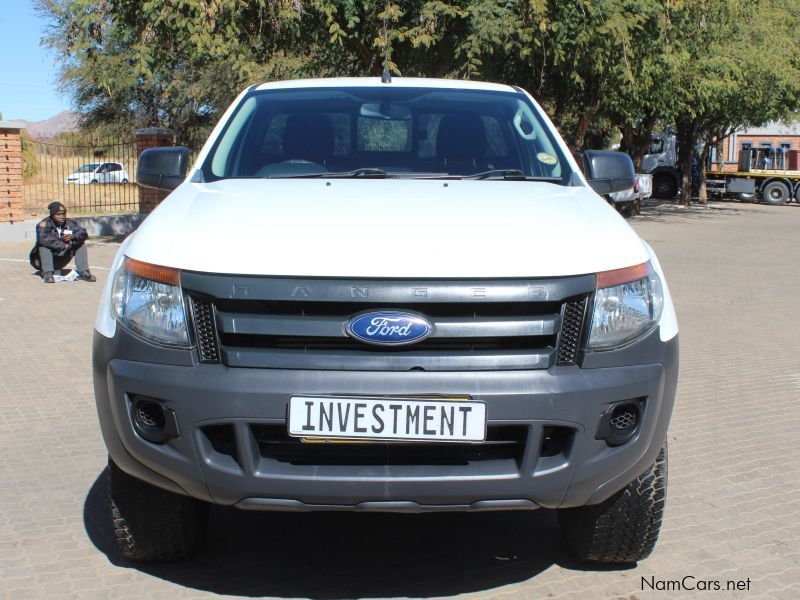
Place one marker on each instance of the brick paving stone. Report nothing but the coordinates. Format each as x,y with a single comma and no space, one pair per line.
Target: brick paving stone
733,508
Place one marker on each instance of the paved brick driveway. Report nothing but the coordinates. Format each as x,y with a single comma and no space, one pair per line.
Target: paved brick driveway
733,509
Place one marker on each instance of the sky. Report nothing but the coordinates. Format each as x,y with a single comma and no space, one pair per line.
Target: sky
28,73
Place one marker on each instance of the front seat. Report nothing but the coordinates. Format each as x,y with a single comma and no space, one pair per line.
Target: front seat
461,143
307,146
308,136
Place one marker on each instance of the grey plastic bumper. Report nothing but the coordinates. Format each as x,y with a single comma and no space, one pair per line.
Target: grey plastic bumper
587,472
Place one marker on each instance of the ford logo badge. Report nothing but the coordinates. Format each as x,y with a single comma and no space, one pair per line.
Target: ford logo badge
389,327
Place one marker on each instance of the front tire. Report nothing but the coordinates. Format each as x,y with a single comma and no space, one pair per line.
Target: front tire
664,187
151,524
624,528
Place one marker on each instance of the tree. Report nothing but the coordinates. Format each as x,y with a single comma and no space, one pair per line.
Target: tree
598,66
729,72
134,63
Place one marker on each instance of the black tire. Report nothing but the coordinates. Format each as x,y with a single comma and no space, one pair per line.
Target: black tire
624,528
151,524
746,197
93,181
664,187
124,181
776,193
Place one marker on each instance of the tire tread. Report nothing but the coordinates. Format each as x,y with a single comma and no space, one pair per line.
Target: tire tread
624,528
151,524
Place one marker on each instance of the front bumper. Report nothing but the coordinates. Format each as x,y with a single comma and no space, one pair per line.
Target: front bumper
583,471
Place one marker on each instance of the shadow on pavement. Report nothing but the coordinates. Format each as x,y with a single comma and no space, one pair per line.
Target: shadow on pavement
345,555
661,211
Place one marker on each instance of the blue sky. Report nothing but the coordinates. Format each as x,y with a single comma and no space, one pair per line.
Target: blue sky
28,84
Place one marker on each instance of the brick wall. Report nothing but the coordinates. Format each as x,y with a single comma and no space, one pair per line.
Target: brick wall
755,141
152,137
11,200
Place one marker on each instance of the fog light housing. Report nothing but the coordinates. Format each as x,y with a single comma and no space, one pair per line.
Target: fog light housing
620,422
152,420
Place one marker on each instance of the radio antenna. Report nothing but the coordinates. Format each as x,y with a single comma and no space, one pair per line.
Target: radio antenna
387,75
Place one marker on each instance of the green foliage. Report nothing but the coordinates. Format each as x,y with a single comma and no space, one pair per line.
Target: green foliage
600,67
30,162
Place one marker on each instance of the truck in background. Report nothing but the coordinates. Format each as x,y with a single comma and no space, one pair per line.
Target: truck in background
661,162
629,202
771,175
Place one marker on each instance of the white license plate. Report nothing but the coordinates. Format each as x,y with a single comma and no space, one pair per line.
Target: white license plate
438,420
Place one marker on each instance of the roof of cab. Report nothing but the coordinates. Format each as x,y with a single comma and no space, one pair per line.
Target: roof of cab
406,82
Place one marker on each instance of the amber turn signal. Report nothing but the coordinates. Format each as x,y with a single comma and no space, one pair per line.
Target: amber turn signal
621,276
157,273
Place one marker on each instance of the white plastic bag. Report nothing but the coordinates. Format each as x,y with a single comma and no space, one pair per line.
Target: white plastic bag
71,276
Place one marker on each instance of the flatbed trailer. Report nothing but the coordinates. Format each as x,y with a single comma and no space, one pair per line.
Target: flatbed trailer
749,183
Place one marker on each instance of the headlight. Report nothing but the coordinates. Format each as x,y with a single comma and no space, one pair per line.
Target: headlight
148,300
627,305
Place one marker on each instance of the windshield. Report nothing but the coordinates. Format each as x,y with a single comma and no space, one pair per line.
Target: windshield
87,168
386,132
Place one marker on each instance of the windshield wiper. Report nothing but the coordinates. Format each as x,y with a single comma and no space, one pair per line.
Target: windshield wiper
362,172
510,175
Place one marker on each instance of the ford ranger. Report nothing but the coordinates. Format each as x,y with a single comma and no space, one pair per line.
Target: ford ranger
400,296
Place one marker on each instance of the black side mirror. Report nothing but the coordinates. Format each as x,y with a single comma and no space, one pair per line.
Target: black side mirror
608,171
163,168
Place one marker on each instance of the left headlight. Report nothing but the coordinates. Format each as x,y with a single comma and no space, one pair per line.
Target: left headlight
627,305
148,300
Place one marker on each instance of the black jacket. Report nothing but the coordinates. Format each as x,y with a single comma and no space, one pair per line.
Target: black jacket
47,235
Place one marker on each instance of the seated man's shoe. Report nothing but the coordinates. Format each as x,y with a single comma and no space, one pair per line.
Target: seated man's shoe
86,276
47,277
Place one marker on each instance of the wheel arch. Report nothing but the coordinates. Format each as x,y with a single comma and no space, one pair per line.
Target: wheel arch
783,180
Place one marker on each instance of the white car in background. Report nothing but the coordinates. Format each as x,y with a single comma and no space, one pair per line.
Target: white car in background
99,172
628,202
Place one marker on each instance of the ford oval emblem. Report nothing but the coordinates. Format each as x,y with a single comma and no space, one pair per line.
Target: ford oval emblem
389,327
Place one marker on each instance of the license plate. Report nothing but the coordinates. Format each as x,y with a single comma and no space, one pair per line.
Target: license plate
435,420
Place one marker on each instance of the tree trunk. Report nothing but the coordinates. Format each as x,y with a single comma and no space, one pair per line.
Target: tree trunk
626,143
702,160
685,136
583,124
642,140
636,140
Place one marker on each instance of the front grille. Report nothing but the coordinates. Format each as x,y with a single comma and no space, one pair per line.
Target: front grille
574,314
205,329
502,443
261,323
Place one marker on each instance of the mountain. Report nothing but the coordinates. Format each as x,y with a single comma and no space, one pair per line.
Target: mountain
66,120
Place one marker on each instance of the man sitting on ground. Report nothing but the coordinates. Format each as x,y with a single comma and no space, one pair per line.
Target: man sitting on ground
58,239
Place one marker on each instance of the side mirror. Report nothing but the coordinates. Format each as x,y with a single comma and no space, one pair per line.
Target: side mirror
608,171
163,168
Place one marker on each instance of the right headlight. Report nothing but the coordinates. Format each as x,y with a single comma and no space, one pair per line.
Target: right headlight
627,305
148,300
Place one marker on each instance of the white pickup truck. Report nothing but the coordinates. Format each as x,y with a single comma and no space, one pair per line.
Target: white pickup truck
629,202
398,296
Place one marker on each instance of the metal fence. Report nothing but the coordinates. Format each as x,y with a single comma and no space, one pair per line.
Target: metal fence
85,173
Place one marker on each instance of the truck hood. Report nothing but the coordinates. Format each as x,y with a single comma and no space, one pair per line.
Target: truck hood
389,228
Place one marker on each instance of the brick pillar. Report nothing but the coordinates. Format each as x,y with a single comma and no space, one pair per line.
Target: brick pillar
11,201
152,137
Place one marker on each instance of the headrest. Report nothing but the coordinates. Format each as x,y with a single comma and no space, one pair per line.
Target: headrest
461,136
308,136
